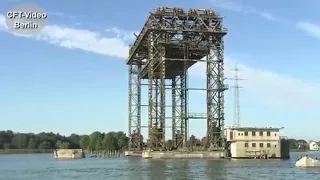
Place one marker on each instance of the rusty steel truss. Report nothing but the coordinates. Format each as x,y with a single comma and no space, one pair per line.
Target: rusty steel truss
170,42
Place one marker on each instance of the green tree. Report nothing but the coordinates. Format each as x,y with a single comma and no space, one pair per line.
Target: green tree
65,145
204,141
169,143
32,144
122,140
84,142
99,145
45,140
74,140
19,141
93,140
110,142
45,145
4,139
192,141
58,144
7,145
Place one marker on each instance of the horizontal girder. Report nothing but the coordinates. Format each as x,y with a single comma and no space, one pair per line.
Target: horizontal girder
191,26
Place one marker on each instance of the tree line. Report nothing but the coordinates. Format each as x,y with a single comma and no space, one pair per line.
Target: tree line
94,142
298,144
49,141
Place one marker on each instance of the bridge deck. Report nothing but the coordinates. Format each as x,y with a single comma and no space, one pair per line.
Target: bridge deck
175,61
172,68
192,25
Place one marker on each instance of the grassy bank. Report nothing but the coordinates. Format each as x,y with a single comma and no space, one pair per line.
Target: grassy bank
298,150
24,151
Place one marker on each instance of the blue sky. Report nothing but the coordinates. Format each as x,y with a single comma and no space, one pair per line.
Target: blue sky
72,76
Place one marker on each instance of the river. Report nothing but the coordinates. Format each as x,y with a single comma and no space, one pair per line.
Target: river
44,167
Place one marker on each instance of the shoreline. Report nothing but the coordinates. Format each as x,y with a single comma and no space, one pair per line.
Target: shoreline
46,151
25,151
299,150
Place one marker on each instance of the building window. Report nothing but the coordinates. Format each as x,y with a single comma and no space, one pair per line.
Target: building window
246,144
261,145
261,133
275,134
238,134
253,144
246,133
268,145
268,133
253,133
275,146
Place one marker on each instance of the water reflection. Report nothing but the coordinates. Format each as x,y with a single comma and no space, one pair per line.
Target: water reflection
179,169
216,169
156,169
42,166
136,168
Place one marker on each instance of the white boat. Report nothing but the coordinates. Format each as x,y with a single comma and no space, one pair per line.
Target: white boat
307,162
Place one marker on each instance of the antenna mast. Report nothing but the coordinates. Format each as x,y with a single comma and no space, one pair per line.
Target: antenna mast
236,112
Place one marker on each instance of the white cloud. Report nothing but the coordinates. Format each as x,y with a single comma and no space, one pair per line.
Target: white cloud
269,16
238,7
78,39
122,34
271,87
84,40
229,5
310,28
60,14
3,25
56,13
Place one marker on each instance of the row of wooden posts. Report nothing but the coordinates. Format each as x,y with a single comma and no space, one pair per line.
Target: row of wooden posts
106,154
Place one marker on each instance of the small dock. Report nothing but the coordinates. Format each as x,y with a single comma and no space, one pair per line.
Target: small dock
133,153
147,154
106,154
68,154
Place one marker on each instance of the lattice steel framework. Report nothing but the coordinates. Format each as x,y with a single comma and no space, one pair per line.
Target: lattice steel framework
236,98
179,110
134,108
171,41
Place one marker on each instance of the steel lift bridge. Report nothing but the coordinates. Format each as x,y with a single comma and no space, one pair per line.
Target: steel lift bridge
170,42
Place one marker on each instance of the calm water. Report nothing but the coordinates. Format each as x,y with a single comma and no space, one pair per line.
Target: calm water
44,167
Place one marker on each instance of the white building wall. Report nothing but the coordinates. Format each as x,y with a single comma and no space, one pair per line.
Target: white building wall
313,146
233,150
239,149
249,135
244,143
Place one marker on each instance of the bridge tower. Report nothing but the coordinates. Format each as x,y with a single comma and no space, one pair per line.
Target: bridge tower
170,42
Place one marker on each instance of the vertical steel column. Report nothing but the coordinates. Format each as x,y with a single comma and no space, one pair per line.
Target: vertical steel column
134,108
130,107
178,120
150,90
156,117
215,90
139,139
174,107
163,93
222,78
221,89
210,94
156,88
183,113
185,90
